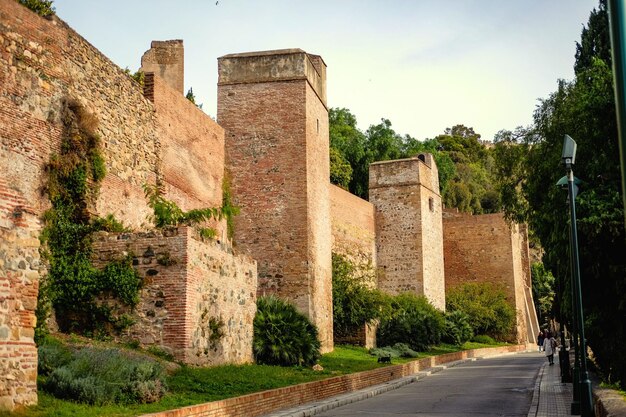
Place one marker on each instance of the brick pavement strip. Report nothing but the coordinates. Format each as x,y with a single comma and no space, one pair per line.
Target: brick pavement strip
552,398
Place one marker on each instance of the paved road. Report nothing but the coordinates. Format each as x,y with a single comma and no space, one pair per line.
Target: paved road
501,386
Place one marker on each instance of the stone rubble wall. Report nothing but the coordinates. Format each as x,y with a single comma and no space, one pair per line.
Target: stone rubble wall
186,282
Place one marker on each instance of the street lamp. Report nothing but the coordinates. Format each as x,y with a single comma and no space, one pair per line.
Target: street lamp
569,157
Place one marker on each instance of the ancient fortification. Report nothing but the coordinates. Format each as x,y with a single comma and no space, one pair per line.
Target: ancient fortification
271,145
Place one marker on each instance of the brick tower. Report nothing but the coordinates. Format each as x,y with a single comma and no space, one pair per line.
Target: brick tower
272,105
409,237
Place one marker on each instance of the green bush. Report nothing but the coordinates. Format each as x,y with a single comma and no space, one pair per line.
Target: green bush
399,350
457,329
414,321
484,339
282,335
41,7
51,356
354,303
486,305
107,376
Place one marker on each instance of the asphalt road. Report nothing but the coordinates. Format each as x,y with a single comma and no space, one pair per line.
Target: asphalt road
501,386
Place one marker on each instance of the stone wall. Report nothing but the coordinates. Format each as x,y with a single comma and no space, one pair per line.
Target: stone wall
192,290
484,248
409,241
167,60
43,63
19,279
272,106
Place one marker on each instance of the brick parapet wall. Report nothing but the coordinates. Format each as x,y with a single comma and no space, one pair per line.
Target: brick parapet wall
186,282
277,157
268,401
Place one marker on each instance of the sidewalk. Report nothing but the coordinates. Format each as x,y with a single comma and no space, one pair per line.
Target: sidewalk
552,398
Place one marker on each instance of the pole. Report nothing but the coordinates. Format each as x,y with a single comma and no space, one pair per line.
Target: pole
575,406
617,26
586,401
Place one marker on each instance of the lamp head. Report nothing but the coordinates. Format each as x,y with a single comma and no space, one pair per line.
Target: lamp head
569,150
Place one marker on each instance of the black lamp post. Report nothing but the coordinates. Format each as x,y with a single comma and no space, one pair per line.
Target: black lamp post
569,158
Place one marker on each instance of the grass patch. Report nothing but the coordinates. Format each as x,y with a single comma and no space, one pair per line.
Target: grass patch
188,386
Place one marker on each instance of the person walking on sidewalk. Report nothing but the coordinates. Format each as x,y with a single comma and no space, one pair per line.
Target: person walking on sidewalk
549,346
540,340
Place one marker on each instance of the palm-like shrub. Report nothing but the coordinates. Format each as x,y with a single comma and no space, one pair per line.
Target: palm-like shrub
282,335
413,321
457,329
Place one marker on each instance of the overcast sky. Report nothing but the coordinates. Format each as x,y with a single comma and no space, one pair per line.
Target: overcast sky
423,64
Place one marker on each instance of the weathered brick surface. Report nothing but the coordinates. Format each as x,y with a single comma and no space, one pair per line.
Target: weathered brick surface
192,150
167,60
484,248
409,240
353,226
188,283
268,401
277,157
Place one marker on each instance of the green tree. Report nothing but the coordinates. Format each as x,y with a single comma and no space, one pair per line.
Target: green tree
340,169
354,301
583,108
346,138
543,283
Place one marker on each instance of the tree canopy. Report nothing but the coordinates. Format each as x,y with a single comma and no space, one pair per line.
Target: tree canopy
528,165
464,163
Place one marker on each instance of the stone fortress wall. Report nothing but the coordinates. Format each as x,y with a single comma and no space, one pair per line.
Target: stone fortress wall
271,141
485,248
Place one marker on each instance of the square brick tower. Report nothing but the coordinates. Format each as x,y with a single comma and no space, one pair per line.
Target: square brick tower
272,105
409,236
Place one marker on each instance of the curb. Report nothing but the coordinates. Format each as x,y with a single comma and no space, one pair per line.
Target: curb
318,407
534,405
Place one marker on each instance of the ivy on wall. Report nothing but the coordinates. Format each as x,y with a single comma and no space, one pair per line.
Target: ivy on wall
79,293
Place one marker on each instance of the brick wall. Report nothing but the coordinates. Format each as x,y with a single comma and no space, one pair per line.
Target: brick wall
484,248
409,239
42,63
167,60
187,283
191,151
353,227
277,156
265,402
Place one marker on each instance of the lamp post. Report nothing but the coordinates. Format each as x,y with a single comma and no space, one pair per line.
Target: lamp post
569,157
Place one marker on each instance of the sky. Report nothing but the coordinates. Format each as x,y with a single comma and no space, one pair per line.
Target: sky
423,64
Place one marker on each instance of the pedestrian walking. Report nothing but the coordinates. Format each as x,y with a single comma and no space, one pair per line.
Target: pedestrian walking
549,346
540,340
